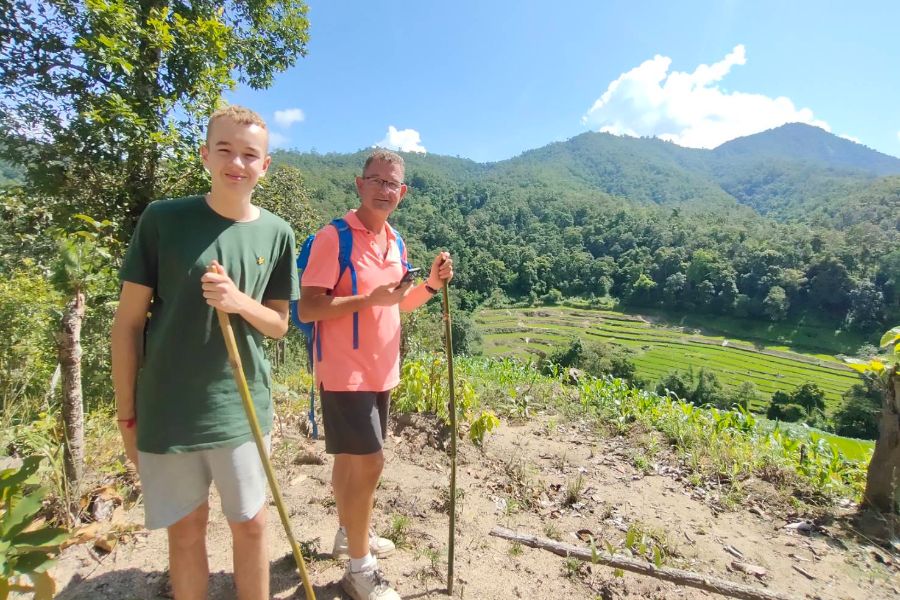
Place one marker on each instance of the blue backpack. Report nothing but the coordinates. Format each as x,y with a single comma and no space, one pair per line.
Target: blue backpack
308,328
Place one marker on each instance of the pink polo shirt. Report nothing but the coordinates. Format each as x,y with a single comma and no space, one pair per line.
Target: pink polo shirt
375,365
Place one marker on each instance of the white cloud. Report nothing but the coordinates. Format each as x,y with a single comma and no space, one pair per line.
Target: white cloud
851,138
405,140
690,109
289,116
278,140
898,135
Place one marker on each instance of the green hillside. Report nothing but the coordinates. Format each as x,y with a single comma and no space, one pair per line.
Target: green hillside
748,234
806,143
786,172
659,349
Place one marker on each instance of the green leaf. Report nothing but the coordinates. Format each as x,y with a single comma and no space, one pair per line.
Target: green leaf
33,562
11,477
618,573
87,219
890,337
4,546
21,513
47,538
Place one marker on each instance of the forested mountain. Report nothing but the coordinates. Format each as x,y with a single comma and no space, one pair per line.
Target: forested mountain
736,230
801,142
792,173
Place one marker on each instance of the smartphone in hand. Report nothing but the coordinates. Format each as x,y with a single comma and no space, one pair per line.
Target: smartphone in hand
409,276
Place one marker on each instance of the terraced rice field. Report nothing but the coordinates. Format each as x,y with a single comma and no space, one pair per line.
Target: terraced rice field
659,349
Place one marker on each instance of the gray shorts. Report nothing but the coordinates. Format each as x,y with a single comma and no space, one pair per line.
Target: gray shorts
355,422
174,485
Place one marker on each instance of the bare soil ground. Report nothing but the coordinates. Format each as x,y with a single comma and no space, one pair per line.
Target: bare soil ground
544,476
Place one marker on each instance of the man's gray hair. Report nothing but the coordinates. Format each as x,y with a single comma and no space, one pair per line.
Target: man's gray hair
380,154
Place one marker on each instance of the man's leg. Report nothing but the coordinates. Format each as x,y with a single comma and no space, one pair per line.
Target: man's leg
340,476
188,566
251,559
357,495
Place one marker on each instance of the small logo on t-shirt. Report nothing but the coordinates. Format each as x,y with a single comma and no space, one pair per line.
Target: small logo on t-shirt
260,260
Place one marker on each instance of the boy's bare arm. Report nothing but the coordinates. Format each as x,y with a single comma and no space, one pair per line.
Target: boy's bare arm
127,341
317,305
269,317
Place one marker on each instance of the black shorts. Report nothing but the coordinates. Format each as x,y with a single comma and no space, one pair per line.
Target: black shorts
355,422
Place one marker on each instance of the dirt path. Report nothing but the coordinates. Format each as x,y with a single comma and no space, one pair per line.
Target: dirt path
527,479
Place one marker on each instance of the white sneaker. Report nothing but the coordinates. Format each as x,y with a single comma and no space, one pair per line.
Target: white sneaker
379,547
367,585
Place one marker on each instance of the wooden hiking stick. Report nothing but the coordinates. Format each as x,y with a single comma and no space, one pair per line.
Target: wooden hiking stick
448,345
234,357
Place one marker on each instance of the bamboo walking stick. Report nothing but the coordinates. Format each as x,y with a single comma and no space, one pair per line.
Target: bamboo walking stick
448,344
234,358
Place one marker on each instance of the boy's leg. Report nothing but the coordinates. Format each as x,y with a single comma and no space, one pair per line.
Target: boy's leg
239,476
188,564
251,558
176,492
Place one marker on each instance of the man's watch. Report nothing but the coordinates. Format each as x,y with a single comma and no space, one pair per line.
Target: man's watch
430,289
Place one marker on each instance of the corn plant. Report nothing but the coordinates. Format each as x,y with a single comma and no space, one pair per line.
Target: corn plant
26,550
422,389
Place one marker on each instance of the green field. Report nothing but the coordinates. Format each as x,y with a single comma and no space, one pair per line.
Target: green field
659,349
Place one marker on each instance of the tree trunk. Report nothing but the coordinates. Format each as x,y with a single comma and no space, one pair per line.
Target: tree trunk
883,478
69,349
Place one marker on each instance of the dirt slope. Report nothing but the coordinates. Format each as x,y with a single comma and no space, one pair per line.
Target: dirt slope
542,476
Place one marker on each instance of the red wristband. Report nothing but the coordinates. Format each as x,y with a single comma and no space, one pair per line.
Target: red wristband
129,423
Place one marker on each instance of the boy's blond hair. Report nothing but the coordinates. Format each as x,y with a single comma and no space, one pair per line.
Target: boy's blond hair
239,114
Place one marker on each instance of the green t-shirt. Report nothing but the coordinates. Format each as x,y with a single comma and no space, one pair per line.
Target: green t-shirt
187,398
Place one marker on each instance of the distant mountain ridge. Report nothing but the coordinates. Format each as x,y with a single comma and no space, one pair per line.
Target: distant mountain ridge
802,142
787,173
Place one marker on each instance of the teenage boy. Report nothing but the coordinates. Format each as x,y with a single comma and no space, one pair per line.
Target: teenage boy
179,409
356,382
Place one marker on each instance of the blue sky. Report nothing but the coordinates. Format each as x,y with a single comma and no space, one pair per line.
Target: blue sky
490,79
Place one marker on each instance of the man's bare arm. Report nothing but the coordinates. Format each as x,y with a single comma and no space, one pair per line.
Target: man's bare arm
317,305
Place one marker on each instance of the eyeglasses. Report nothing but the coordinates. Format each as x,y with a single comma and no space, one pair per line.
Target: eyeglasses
378,181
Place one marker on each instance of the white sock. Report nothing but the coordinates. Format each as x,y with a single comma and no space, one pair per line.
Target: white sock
366,563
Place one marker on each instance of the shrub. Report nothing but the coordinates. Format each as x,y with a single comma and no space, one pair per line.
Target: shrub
860,412
808,397
789,413
29,313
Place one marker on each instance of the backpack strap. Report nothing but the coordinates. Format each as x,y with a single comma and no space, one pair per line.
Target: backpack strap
402,248
345,250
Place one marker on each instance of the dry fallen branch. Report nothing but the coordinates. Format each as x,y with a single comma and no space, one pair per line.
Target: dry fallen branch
677,576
